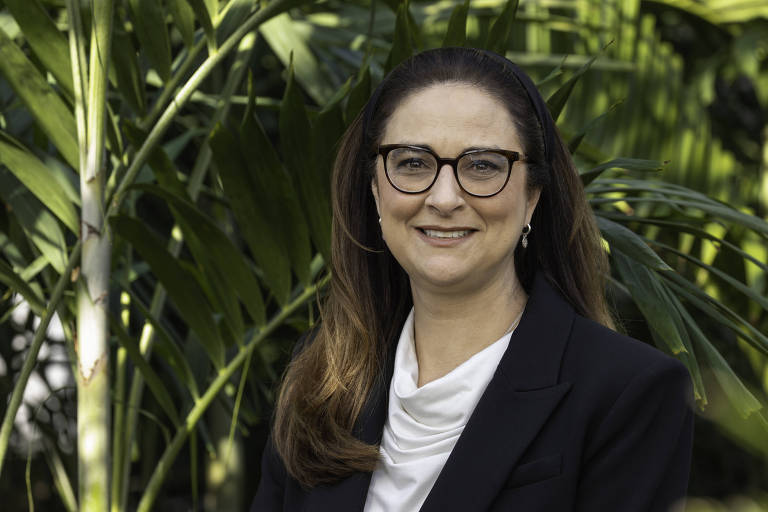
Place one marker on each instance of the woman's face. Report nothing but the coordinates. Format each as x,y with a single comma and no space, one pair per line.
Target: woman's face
451,118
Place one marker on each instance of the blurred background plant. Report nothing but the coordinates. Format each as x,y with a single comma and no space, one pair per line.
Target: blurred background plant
219,121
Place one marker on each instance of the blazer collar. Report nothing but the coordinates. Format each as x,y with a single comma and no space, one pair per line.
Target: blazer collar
519,399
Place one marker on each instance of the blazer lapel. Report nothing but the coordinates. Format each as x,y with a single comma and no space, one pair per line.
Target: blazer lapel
519,399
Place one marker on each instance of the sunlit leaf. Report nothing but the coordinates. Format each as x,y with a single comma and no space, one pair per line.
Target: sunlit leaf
718,311
40,99
456,33
630,244
48,43
39,225
735,283
285,40
13,281
39,180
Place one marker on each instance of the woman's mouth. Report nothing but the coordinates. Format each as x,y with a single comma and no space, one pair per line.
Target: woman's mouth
445,234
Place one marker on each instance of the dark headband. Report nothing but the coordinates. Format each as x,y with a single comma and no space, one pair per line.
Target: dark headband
546,122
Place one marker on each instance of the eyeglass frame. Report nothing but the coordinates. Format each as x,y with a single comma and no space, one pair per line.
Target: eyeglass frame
511,156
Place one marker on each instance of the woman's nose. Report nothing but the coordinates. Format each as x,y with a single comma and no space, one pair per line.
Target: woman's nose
445,194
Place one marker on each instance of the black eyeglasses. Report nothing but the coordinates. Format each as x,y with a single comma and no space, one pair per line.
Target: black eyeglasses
479,172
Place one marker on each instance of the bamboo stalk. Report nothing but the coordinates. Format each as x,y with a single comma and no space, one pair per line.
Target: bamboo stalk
93,386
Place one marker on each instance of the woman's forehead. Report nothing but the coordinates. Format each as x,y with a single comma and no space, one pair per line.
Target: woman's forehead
448,114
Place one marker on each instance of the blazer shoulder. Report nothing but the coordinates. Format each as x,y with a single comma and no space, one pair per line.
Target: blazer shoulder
600,358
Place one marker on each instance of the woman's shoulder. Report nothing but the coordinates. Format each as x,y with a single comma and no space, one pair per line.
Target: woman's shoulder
604,362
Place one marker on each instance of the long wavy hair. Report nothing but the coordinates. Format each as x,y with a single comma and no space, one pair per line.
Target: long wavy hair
329,379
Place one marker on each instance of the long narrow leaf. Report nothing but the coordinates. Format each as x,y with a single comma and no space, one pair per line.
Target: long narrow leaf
39,225
643,285
738,394
19,285
130,79
218,250
456,33
49,45
184,17
204,17
282,36
630,244
735,283
181,285
262,237
683,227
556,102
153,381
498,37
402,39
41,100
38,179
149,24
718,311
167,349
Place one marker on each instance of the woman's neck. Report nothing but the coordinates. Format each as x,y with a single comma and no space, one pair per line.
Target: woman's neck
449,328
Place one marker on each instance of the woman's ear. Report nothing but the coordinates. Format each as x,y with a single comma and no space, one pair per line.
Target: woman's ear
533,200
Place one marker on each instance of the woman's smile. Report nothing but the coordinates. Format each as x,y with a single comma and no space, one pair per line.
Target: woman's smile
444,237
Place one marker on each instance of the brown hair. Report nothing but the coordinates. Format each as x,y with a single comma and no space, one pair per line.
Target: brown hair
328,381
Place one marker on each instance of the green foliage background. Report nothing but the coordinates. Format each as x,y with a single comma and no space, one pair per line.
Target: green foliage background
221,127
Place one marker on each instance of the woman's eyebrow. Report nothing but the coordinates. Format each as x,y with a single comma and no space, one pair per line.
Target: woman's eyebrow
427,146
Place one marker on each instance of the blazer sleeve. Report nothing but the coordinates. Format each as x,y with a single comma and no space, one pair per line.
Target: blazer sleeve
271,490
639,458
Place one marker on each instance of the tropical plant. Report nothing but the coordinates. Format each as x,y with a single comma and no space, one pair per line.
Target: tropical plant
201,135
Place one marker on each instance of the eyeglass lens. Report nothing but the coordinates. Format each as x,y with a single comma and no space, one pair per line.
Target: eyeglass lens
480,173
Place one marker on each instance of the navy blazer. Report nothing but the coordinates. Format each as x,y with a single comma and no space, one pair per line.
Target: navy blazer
576,417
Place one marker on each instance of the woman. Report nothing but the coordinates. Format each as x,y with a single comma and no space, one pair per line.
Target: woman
464,360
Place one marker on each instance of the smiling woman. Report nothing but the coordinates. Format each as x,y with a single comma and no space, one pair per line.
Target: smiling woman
465,359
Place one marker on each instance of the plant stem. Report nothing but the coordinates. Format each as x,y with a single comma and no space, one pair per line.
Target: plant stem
256,19
31,359
93,386
120,485
194,415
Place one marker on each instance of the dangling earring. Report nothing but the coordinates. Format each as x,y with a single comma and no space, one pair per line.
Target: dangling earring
379,220
524,241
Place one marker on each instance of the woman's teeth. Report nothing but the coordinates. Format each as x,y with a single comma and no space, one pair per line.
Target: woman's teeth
445,234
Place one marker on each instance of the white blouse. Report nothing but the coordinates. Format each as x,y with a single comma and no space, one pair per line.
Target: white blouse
424,423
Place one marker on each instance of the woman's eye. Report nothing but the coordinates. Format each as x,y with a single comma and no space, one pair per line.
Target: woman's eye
411,163
482,165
